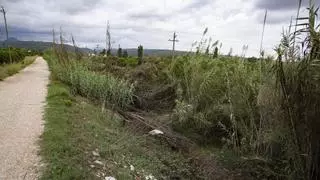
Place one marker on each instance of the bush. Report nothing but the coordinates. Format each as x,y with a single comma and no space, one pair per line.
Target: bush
17,55
129,61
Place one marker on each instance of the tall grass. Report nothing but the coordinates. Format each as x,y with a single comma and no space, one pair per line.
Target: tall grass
72,69
275,117
104,88
298,82
218,98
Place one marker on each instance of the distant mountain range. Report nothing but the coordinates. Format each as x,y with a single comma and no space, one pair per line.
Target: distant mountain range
149,52
41,46
35,45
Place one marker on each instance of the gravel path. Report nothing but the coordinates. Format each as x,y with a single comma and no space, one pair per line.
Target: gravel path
22,98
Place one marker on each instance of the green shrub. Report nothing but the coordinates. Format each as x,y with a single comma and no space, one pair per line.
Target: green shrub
129,61
17,55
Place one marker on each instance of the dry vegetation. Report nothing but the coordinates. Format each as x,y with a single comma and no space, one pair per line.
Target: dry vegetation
265,111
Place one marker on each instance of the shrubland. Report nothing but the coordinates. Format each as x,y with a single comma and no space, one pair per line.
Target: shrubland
263,110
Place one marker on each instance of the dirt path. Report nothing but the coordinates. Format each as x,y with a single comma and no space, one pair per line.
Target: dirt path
22,99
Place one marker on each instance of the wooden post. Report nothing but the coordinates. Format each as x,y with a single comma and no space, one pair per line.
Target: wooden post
174,40
7,34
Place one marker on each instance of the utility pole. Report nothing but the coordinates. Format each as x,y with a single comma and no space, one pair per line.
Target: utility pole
108,40
7,34
174,40
54,42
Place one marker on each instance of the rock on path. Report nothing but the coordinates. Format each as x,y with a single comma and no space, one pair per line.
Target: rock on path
22,100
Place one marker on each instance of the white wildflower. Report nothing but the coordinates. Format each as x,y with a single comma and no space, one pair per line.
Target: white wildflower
131,168
155,132
109,178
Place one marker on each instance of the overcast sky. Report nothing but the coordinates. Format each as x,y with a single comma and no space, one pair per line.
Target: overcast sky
151,23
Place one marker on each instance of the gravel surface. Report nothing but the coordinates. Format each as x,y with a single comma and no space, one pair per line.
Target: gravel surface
22,100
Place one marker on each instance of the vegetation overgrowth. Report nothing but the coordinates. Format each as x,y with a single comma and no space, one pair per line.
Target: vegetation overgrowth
82,142
10,69
263,109
104,88
17,55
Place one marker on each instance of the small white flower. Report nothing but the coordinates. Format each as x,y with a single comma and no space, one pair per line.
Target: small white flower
131,168
155,132
95,153
150,177
109,178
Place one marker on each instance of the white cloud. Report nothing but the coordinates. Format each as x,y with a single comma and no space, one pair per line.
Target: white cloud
150,23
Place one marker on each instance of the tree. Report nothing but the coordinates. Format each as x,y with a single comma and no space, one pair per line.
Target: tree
198,51
109,52
119,53
125,54
140,54
252,59
215,53
230,52
103,52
